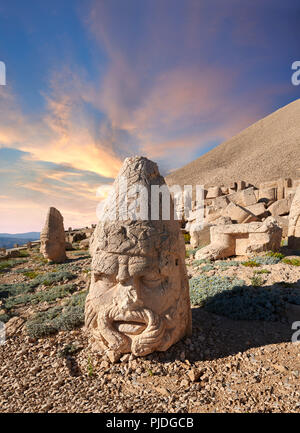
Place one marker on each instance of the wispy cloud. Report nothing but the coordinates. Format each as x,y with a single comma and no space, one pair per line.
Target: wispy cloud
34,186
169,80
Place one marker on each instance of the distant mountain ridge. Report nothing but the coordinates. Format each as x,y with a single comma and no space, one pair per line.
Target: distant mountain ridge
267,150
7,240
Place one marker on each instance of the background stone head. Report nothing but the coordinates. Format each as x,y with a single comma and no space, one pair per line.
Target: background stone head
139,298
53,242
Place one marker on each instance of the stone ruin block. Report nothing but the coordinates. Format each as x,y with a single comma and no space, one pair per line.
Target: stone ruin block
220,202
242,239
238,214
212,213
200,234
259,210
267,195
241,184
245,197
283,222
280,207
224,190
213,192
281,185
232,187
294,222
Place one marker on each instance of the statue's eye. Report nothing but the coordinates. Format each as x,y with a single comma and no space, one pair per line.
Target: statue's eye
105,279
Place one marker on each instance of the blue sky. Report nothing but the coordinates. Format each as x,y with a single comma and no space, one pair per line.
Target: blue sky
90,82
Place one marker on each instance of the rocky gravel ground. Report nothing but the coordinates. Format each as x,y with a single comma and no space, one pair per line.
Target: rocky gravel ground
225,366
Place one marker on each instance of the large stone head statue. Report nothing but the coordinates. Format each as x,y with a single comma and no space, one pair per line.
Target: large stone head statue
53,242
138,299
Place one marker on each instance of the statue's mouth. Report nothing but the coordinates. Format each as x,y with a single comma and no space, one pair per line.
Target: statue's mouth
130,327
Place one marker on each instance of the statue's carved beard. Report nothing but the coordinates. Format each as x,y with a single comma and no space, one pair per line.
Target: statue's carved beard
155,336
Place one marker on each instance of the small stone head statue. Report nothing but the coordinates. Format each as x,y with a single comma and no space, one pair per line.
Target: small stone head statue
53,243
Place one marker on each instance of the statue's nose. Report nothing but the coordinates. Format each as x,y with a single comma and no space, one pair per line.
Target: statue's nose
130,292
123,276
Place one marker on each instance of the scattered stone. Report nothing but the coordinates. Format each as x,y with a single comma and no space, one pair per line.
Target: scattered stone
194,375
238,214
162,390
125,358
241,239
280,207
13,326
294,222
213,192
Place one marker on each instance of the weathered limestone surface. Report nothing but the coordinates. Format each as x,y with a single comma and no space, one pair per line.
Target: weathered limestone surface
241,239
200,234
267,195
214,192
280,207
220,202
53,241
258,210
294,222
283,222
245,197
238,214
138,300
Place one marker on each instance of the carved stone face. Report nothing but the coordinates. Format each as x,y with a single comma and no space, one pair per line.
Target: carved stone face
52,237
139,295
138,306
48,247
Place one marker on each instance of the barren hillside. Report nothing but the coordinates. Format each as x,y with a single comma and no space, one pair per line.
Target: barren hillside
267,150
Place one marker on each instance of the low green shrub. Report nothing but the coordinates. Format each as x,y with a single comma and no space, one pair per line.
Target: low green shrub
191,252
30,274
207,268
7,290
84,253
50,295
257,281
47,279
58,318
24,253
200,262
6,265
267,260
5,317
227,263
293,261
262,271
275,254
203,287
231,298
250,263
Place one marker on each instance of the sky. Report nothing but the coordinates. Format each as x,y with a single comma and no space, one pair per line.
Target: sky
91,82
